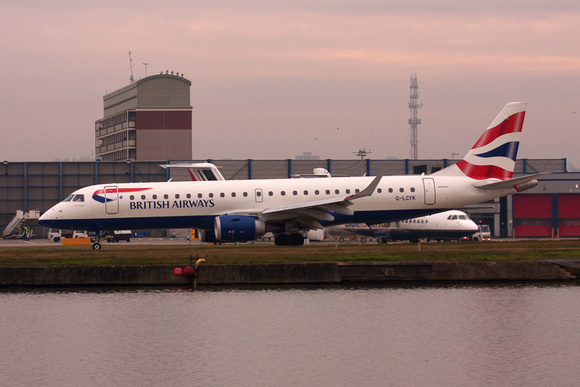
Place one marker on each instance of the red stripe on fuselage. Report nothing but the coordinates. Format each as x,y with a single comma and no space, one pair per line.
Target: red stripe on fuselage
120,190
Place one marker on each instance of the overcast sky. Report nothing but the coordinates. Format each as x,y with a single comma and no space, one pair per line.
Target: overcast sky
272,79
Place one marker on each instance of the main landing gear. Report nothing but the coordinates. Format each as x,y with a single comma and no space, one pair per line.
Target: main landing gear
292,239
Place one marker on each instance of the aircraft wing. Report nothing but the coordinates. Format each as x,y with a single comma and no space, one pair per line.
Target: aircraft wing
309,214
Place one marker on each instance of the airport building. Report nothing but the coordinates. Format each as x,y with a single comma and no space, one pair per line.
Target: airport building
146,120
551,209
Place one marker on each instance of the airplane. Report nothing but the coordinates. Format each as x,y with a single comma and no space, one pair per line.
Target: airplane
447,225
241,210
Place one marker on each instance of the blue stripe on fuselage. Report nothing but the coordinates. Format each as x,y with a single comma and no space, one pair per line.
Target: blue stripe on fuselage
207,222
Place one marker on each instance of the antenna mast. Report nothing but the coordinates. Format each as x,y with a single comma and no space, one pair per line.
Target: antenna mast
131,67
414,106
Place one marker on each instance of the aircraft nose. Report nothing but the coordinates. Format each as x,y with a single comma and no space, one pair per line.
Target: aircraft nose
47,218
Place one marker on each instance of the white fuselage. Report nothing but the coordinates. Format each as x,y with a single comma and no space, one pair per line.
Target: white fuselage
196,204
447,225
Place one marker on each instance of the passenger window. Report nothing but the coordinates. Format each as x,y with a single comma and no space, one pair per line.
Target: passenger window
165,196
401,189
222,195
379,190
317,192
245,194
199,195
176,196
337,191
270,193
211,195
188,196
233,194
305,192
143,197
132,197
294,193
283,193
412,189
154,197
390,190
347,191
328,192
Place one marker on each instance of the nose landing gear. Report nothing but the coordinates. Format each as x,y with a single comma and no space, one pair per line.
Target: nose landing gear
96,241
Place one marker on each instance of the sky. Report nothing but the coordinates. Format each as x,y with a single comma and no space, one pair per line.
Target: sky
273,79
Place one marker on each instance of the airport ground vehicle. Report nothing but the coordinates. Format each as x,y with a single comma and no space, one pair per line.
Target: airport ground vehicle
118,235
482,234
56,235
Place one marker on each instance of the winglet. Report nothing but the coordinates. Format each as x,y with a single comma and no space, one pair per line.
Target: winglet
368,191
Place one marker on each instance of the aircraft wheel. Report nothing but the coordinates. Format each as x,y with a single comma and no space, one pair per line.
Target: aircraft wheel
341,240
363,240
96,246
296,239
281,240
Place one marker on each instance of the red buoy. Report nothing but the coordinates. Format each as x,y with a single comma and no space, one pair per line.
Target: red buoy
188,271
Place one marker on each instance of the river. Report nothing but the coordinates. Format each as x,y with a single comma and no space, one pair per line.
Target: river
450,335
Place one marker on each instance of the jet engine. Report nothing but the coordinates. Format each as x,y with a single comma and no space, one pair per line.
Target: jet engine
206,236
238,228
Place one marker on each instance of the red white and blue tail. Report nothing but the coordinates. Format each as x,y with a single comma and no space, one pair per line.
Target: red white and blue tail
494,155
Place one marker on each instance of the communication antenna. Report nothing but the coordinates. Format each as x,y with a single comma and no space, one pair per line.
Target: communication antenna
146,64
131,67
414,107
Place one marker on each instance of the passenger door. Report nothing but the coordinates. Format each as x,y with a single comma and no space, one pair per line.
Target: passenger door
429,188
111,199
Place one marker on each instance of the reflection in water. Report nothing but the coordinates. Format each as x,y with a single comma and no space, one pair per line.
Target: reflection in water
428,335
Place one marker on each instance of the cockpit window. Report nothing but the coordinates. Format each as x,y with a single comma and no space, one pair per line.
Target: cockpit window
462,217
68,198
79,198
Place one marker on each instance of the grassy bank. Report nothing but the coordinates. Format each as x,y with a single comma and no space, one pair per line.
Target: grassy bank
129,254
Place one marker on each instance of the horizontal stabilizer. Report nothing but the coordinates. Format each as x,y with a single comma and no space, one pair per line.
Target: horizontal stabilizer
511,183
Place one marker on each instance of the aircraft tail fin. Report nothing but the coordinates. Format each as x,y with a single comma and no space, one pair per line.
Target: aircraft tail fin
494,155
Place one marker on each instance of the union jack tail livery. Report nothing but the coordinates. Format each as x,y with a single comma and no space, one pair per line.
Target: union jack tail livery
494,155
